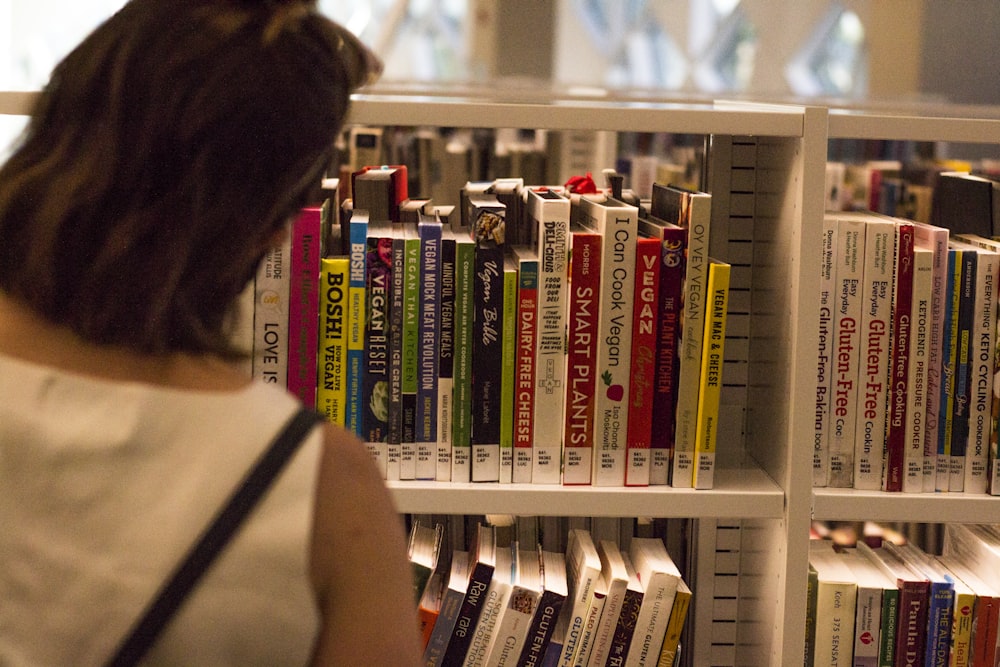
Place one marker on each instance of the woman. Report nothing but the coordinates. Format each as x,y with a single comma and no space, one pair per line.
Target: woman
163,159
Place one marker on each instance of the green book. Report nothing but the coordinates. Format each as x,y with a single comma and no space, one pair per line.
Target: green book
507,369
465,258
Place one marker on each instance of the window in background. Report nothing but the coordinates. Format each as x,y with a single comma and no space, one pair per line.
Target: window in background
833,61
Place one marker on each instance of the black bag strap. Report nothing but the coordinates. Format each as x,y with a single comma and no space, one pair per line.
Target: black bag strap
215,537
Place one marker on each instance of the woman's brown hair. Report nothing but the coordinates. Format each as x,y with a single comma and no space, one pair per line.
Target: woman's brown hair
162,158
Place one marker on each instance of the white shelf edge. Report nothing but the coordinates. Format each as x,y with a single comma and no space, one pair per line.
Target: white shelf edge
855,505
738,493
901,127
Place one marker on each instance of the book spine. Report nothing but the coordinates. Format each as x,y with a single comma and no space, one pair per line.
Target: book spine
851,243
497,597
468,615
963,615
411,337
936,240
671,640
581,363
437,645
303,307
428,348
890,623
918,386
270,319
710,391
356,321
550,357
875,349
446,364
524,402
949,353
897,440
513,628
673,245
824,359
911,629
487,358
867,621
835,608
588,634
618,225
394,435
660,594
643,363
375,372
695,277
624,628
508,372
539,633
981,361
939,624
465,259
331,394
963,385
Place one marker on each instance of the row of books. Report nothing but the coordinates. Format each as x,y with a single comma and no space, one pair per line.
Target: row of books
900,605
511,604
536,335
905,395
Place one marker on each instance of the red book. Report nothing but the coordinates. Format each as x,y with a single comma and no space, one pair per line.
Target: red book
902,329
581,357
673,243
643,365
303,306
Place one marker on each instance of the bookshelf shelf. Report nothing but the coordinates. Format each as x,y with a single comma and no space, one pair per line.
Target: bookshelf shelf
928,124
856,505
740,493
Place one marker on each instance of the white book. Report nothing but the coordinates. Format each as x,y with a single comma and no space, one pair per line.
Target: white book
495,603
825,358
936,240
874,352
660,579
872,585
917,384
615,581
983,356
519,612
836,605
583,570
617,222
847,351
693,211
550,212
270,320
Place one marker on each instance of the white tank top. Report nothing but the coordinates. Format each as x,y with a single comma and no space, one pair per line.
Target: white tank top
105,485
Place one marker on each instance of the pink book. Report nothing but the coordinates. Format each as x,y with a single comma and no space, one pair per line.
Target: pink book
643,365
303,306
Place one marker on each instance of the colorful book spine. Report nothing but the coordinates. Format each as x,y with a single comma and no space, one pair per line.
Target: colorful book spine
527,334
847,331
617,222
963,376
270,318
692,211
508,370
487,228
675,626
581,362
982,364
643,371
673,247
465,259
446,363
331,394
550,606
710,390
303,306
918,386
824,359
411,337
934,239
356,309
948,368
875,348
375,371
428,348
394,435
550,213
902,333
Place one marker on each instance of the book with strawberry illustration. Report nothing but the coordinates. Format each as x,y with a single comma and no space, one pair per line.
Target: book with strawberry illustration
581,363
617,222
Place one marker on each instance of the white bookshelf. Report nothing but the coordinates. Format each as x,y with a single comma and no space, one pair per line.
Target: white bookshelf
753,527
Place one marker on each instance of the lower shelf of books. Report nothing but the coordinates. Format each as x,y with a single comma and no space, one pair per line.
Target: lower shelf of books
738,492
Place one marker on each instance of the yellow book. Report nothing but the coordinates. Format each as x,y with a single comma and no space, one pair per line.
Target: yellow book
672,637
331,394
710,387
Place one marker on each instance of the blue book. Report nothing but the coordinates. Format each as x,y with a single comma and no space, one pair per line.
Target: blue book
948,371
428,347
358,227
375,371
